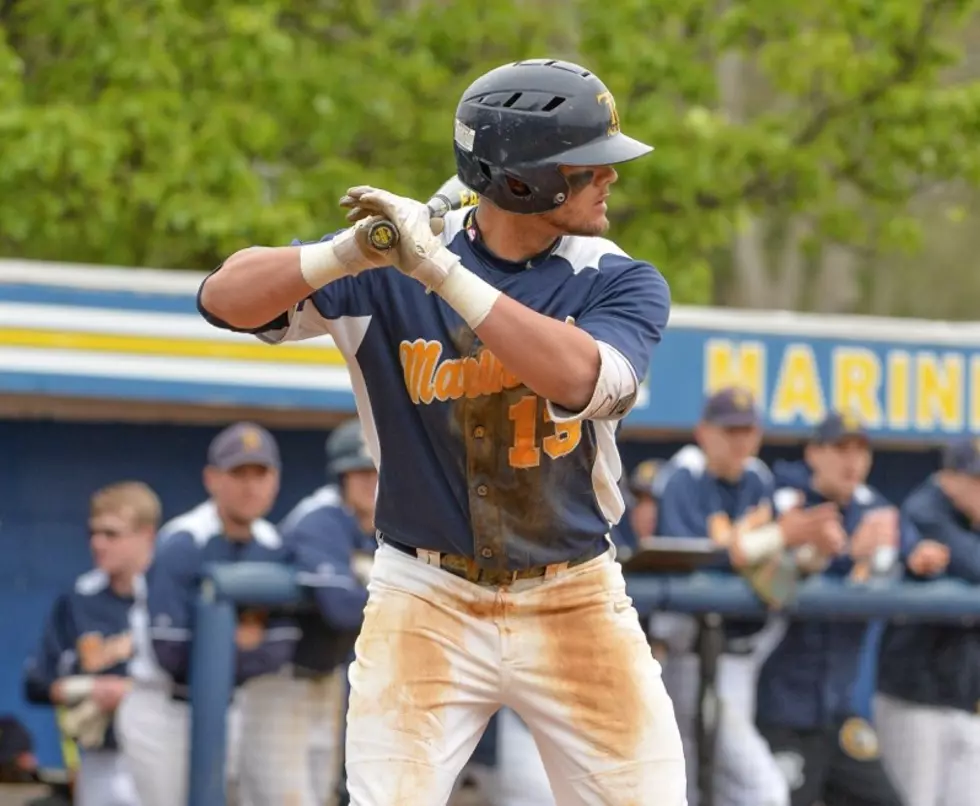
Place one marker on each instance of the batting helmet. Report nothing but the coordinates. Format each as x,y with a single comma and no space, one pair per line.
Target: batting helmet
518,123
347,451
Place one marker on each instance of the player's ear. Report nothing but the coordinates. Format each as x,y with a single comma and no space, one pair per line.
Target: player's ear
210,479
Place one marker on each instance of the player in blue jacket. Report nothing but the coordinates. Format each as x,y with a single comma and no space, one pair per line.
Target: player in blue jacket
331,540
929,678
719,488
242,480
81,664
491,363
806,706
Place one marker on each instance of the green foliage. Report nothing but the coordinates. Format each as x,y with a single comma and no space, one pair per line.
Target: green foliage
172,132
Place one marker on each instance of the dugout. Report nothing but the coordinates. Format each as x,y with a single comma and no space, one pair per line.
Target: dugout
110,374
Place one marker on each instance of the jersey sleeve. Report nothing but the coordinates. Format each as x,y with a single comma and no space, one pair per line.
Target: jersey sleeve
321,551
348,296
936,519
55,655
628,311
172,583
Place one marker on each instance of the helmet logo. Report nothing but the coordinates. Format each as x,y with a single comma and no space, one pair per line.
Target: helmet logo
606,99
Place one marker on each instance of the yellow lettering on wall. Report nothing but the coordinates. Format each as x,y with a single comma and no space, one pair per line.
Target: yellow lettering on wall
728,363
898,390
939,391
856,384
975,393
799,392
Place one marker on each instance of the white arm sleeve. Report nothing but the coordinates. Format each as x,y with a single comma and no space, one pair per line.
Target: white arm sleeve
615,390
305,322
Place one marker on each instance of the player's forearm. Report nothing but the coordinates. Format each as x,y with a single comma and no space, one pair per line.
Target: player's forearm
555,360
254,286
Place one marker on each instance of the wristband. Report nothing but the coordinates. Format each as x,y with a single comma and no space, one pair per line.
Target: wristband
470,296
319,265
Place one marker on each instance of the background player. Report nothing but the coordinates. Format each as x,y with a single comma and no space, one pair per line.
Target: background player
81,664
929,678
490,406
242,479
720,488
806,707
330,537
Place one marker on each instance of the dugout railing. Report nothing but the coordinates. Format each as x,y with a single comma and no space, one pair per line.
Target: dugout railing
709,596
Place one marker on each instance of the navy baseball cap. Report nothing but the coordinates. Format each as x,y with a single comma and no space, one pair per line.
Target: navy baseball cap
839,426
963,456
732,407
244,444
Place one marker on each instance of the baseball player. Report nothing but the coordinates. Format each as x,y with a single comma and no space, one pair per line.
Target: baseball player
719,488
81,663
242,479
806,706
490,364
330,537
929,675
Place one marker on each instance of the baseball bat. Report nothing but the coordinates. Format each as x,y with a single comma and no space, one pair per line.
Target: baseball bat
452,195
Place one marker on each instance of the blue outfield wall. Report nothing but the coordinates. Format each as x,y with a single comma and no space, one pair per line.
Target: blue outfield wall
51,469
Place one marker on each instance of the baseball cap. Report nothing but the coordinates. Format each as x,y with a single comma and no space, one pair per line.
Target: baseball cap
642,478
732,407
963,456
244,444
839,426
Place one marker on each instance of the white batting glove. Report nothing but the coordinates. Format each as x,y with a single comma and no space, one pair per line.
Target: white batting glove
347,253
420,252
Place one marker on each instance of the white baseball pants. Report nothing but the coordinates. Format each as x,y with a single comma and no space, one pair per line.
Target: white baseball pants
932,755
437,656
104,780
745,771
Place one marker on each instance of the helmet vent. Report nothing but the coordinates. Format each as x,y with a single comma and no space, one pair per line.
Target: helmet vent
512,100
553,104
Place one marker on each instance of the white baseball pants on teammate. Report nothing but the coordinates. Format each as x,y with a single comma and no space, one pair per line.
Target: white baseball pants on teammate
154,733
104,780
437,655
932,755
290,748
745,771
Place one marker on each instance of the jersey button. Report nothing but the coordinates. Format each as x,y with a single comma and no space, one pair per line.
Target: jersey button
479,432
482,490
486,553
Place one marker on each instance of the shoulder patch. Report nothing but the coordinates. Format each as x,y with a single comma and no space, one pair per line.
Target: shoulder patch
201,523
585,252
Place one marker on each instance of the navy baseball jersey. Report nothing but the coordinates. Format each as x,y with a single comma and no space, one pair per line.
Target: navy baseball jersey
87,633
694,503
184,546
813,678
473,462
329,550
937,664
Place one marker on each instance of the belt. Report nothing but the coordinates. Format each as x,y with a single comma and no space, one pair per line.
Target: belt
466,567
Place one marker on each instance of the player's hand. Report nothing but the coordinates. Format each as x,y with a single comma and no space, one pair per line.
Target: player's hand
878,528
929,558
419,252
818,526
108,691
353,248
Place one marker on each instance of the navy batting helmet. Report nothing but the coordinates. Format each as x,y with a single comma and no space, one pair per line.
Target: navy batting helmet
518,123
347,451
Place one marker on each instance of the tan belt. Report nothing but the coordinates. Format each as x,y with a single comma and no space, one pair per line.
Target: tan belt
467,568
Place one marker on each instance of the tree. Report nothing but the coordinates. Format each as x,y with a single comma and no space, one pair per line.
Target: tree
171,132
